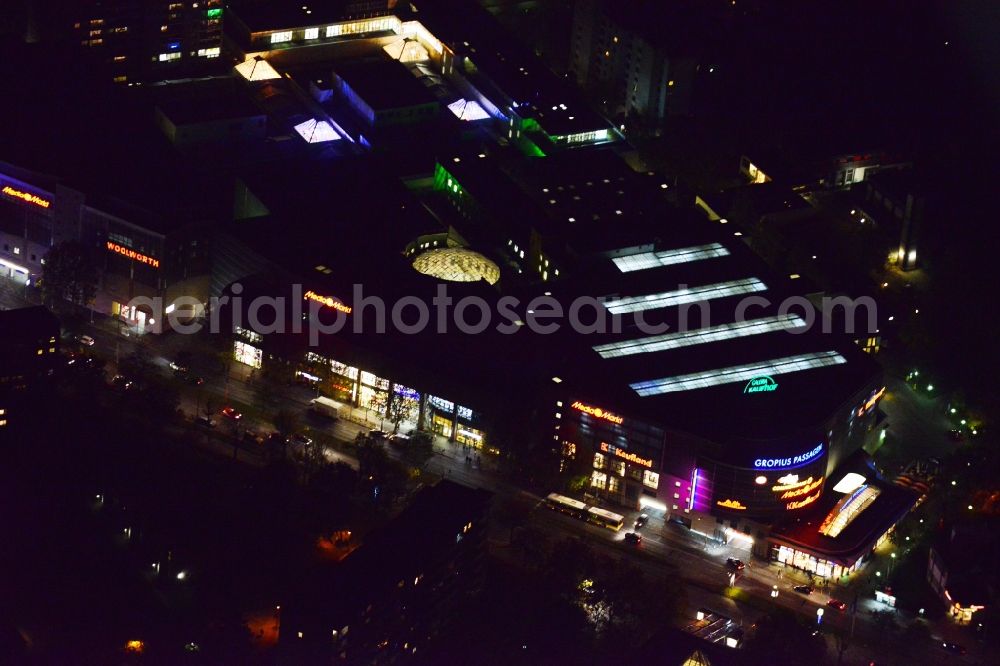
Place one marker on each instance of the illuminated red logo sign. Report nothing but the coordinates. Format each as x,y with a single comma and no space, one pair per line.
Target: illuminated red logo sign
597,412
133,255
327,301
26,196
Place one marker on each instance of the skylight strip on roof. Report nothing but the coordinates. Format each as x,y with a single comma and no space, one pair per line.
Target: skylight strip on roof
737,373
668,299
645,260
740,329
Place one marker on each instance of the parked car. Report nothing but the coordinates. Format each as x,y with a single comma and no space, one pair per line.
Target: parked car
954,648
735,565
633,538
85,340
803,589
231,413
377,435
838,604
641,520
177,367
399,439
206,421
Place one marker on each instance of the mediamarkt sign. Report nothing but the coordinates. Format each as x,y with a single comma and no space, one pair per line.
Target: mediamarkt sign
781,463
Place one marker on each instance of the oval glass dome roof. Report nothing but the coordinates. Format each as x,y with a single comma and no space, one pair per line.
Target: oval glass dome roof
457,264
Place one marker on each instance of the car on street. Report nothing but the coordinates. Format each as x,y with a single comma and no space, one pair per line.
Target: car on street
298,439
231,413
954,648
803,589
633,538
205,421
734,564
399,439
177,367
377,435
641,521
85,340
122,383
838,604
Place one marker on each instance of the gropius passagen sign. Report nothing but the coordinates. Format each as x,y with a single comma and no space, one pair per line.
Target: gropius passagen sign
793,461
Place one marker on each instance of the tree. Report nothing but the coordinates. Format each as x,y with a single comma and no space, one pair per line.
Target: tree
286,422
418,450
69,273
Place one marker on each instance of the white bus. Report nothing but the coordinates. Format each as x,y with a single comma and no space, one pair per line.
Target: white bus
604,518
566,505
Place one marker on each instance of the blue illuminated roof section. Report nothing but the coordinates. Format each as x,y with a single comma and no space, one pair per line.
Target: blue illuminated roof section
666,341
668,299
737,373
847,509
646,260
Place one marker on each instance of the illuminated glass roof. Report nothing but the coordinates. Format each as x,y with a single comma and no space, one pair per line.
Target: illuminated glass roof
644,260
457,264
317,131
737,373
668,299
466,109
740,329
847,509
405,49
257,69
851,482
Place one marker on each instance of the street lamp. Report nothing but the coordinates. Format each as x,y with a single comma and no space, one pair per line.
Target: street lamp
819,616
774,591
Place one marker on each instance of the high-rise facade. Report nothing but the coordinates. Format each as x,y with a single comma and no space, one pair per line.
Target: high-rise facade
150,40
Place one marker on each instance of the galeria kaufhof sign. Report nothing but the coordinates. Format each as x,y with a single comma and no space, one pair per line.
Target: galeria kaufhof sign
788,463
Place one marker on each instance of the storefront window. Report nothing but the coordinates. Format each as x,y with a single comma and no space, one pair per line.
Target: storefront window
469,436
615,485
247,354
464,413
599,480
568,449
344,370
441,425
374,381
618,467
248,335
374,399
599,461
650,479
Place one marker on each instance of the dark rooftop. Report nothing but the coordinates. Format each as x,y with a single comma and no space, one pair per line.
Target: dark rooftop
383,83
204,100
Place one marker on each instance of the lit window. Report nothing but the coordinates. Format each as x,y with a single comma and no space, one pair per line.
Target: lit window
599,460
618,466
738,373
164,57
650,479
280,37
312,33
599,480
248,354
